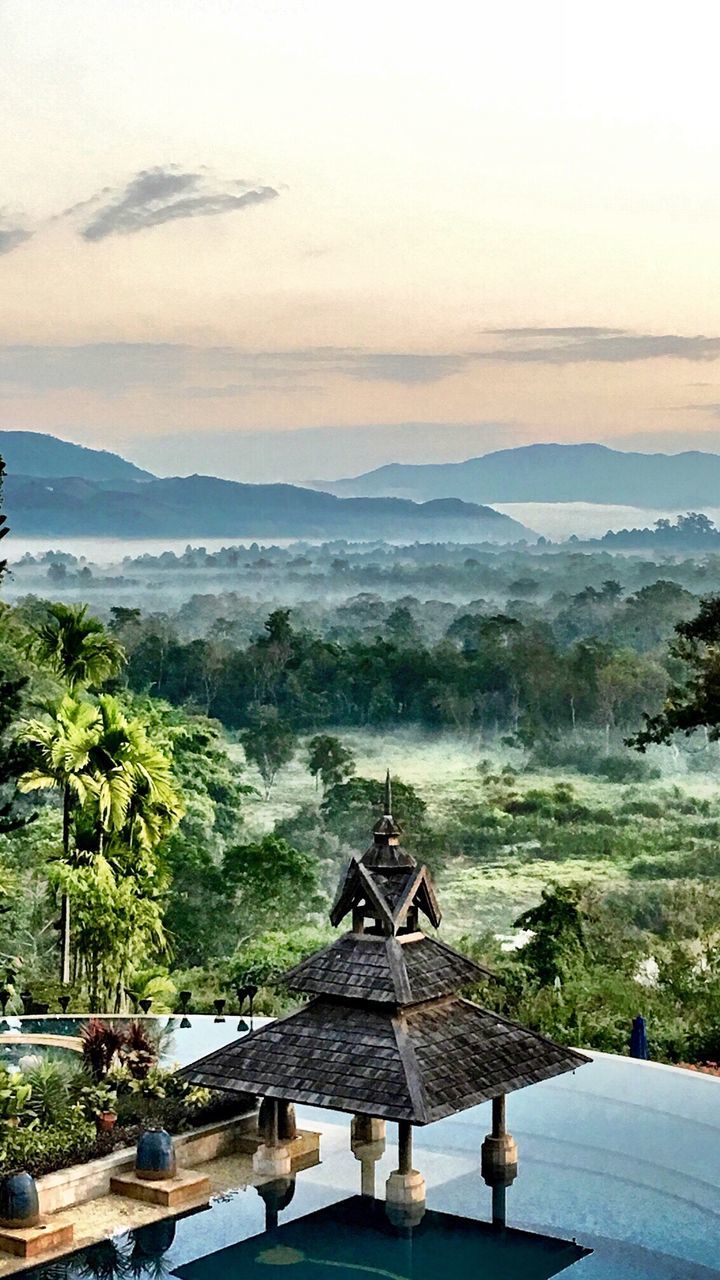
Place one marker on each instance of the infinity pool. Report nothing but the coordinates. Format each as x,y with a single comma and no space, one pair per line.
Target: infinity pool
622,1158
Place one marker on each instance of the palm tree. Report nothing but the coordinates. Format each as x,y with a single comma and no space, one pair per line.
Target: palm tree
119,800
61,745
77,647
134,789
132,805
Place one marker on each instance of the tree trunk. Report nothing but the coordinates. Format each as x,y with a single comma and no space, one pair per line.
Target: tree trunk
65,901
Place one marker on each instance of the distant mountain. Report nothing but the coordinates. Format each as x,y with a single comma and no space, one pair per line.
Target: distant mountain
205,507
553,473
31,453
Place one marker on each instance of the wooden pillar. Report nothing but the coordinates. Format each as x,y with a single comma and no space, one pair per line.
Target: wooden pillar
287,1128
404,1146
272,1122
498,1116
499,1152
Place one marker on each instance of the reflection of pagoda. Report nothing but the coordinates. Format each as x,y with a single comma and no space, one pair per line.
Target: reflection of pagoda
384,1035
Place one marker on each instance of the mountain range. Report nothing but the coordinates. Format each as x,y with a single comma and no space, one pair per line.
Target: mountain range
553,473
33,453
98,494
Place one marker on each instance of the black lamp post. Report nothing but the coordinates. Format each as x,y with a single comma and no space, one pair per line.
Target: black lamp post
184,997
145,1004
251,994
64,1002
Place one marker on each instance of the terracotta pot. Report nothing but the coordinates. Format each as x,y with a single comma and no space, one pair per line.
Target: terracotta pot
105,1121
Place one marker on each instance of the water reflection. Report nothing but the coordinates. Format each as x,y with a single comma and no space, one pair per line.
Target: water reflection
357,1236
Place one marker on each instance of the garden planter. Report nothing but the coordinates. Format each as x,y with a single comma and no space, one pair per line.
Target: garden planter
18,1201
155,1155
105,1121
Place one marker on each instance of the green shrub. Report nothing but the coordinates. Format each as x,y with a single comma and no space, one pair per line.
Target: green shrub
43,1150
52,1084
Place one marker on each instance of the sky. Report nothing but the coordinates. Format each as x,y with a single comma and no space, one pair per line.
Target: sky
295,240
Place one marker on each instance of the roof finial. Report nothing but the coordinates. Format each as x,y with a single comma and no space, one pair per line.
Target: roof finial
388,795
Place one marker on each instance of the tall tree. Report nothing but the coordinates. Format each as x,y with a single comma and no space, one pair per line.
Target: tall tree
77,647
329,761
79,650
60,745
558,933
3,519
270,744
12,686
693,701
119,803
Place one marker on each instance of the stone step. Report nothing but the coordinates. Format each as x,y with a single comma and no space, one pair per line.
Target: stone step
31,1242
167,1192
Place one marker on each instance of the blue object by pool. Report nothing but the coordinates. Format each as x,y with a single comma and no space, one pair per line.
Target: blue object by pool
638,1039
18,1201
155,1155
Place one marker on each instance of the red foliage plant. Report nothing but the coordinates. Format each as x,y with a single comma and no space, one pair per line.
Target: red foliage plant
100,1044
104,1045
139,1051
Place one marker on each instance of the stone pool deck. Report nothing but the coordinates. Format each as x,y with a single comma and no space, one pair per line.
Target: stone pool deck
81,1197
109,1215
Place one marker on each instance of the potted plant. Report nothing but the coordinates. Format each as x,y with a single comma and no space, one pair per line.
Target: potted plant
98,1102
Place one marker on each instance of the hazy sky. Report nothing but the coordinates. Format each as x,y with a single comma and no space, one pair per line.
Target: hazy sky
219,218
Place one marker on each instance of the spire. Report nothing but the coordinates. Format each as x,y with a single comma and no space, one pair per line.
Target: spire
386,830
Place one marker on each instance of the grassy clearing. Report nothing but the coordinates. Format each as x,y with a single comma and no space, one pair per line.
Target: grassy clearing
489,892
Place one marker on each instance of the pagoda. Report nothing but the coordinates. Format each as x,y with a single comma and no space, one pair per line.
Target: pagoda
384,1034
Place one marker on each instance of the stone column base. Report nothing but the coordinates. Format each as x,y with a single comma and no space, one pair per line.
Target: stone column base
405,1188
499,1160
272,1162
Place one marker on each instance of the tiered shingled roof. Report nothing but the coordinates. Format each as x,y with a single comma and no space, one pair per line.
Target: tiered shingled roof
386,1035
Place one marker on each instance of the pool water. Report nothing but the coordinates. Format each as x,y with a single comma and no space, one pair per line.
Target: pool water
622,1158
25,1055
181,1040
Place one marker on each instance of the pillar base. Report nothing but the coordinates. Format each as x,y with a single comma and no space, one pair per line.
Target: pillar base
272,1162
405,1199
499,1160
405,1188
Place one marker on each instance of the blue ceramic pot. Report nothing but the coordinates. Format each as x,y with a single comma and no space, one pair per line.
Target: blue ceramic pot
155,1155
18,1201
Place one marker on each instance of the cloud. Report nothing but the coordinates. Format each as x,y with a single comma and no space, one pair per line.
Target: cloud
562,331
405,367
713,410
12,235
585,344
113,368
155,196
226,372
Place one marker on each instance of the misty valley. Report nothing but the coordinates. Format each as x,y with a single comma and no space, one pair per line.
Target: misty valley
516,693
